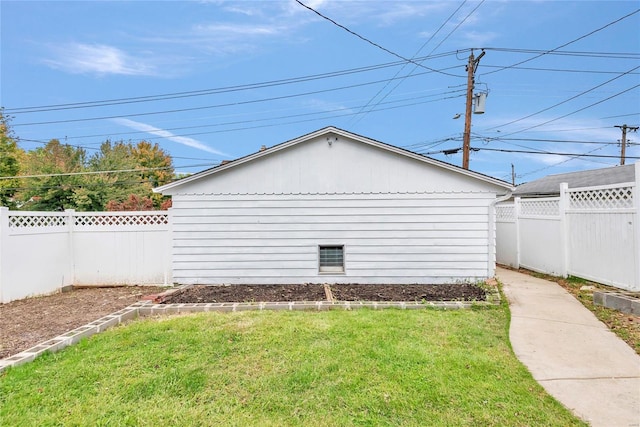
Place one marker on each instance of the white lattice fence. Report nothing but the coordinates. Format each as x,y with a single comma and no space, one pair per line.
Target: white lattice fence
590,232
121,219
540,207
505,212
40,252
36,220
599,198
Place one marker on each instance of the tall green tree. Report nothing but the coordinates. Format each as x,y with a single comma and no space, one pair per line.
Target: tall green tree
99,188
10,155
55,189
156,169
158,164
147,166
120,176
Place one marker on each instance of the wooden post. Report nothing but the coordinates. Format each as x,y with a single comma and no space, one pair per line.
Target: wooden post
466,137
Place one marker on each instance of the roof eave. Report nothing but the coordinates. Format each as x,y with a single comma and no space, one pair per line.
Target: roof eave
343,133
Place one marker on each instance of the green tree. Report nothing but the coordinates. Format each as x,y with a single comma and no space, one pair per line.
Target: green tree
157,169
55,189
158,163
98,189
10,155
149,167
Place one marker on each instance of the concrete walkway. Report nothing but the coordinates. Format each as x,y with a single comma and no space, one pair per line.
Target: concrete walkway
573,355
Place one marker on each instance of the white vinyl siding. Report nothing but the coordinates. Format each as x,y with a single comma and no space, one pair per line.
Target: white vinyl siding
275,238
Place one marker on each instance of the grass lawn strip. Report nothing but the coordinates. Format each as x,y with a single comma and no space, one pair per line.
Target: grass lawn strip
372,367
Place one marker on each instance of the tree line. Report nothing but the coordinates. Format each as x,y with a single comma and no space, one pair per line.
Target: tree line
59,176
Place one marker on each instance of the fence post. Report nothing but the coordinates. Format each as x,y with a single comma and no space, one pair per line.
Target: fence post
563,205
516,214
636,225
168,270
4,229
70,252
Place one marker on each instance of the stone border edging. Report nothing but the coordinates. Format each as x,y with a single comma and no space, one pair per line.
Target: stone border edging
617,301
151,308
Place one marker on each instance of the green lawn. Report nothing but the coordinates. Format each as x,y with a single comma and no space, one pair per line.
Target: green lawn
362,367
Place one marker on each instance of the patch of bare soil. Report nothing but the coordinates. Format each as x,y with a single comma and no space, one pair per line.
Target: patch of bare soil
247,293
309,292
457,292
30,321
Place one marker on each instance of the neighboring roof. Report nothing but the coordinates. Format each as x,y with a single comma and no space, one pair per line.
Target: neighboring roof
339,132
550,185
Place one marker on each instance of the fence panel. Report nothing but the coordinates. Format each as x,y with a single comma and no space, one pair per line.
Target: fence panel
121,248
602,229
506,235
540,235
42,252
590,232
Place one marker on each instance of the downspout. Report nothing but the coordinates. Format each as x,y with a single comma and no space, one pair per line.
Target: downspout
491,263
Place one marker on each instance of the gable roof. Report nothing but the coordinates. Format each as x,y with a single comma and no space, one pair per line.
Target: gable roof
339,132
550,185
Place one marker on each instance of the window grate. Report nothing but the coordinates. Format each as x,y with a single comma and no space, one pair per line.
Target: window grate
331,258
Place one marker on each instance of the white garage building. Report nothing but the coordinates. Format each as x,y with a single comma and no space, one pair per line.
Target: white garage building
333,207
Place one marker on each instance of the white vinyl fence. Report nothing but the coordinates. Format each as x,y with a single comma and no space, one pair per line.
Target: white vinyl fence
593,233
41,252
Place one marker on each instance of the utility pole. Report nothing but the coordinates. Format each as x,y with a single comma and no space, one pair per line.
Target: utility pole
623,142
513,175
466,137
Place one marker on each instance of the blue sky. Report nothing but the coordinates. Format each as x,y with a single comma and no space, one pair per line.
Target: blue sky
215,80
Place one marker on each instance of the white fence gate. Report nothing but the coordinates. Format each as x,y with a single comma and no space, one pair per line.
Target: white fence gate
41,252
593,233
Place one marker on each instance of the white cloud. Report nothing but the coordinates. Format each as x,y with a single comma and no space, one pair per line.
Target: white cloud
189,142
233,30
479,38
80,58
329,107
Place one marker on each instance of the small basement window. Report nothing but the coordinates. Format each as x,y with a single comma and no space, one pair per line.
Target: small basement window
331,259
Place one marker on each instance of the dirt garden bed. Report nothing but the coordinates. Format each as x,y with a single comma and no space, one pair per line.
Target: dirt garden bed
27,322
309,292
30,321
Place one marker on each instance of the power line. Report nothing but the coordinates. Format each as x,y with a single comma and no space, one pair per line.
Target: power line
299,79
564,141
91,185
559,163
416,67
588,54
51,175
621,115
372,42
576,111
212,91
566,100
562,70
459,91
84,147
548,152
566,44
151,138
230,104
